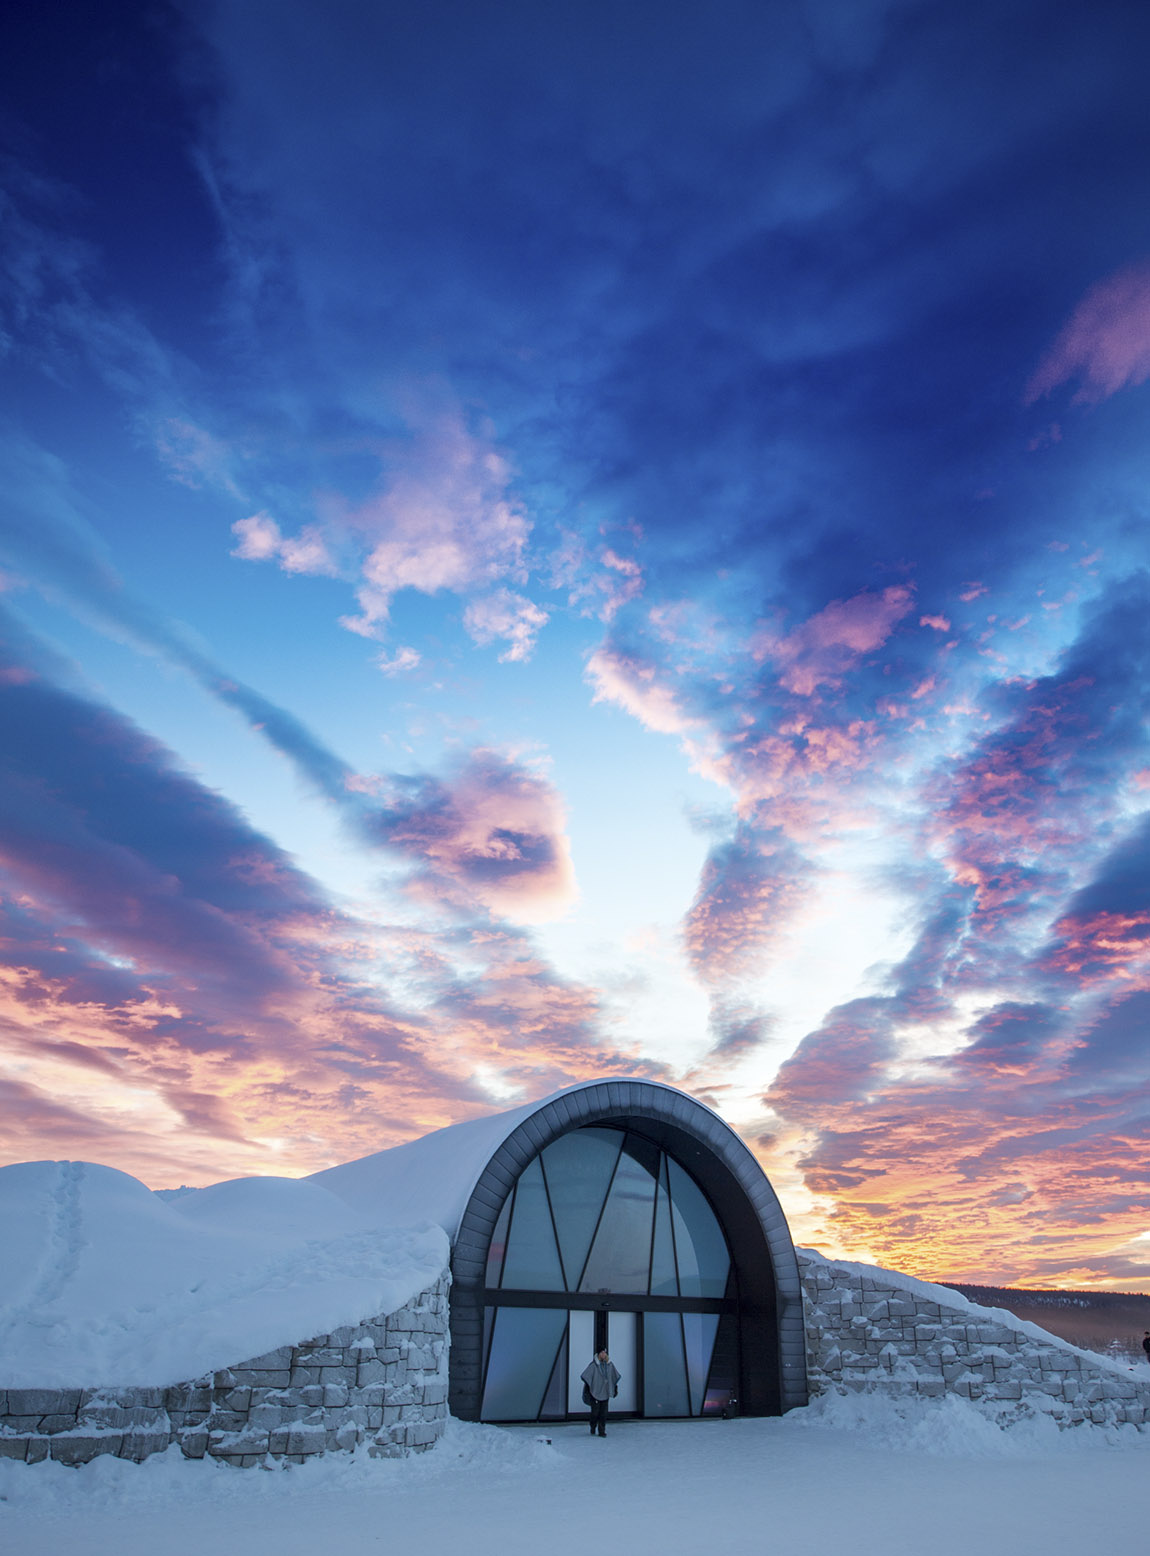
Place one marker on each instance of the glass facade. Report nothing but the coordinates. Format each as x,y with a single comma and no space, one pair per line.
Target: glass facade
603,1213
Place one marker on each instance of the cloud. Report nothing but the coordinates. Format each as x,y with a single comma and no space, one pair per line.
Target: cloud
259,540
173,984
491,832
195,456
507,616
748,892
988,1110
636,685
597,584
831,642
132,854
404,659
1015,814
1104,931
443,517
443,521
1105,343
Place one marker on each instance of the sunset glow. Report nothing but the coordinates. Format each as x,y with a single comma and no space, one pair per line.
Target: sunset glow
543,542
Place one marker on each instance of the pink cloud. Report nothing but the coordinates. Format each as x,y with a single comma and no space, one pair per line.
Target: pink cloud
635,684
1105,343
938,623
403,659
821,650
748,892
601,593
492,833
1097,946
507,616
260,540
445,519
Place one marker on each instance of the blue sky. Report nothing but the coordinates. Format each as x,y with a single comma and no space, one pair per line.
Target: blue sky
541,542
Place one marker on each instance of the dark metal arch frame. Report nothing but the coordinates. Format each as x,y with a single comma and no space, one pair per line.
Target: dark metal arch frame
773,1342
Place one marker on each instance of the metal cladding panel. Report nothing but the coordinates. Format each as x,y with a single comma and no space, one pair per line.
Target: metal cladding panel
469,1271
534,1131
580,1104
565,1112
488,1196
500,1172
515,1152
683,1112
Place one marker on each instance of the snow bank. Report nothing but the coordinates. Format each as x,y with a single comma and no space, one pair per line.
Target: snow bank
106,1283
953,1427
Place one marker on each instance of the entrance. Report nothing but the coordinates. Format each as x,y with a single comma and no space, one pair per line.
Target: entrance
588,1334
606,1239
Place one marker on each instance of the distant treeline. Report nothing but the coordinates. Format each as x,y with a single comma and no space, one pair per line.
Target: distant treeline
1111,1321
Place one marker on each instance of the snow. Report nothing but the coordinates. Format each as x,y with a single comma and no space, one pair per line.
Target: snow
872,1476
431,1179
106,1283
946,1296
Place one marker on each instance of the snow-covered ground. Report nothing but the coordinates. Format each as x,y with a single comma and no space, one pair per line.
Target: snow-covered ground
864,1476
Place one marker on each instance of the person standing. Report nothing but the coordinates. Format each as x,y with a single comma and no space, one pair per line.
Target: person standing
601,1379
1146,1344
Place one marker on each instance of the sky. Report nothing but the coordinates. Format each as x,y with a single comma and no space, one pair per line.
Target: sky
545,542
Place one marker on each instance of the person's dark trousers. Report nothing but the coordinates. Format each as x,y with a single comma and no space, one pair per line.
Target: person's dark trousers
599,1416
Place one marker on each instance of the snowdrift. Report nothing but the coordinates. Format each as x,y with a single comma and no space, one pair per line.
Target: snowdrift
105,1282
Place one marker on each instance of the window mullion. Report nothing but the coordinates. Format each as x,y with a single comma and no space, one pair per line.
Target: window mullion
554,1224
599,1217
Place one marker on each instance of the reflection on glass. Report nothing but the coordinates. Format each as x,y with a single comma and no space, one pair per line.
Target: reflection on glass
606,1210
585,1216
579,1168
664,1379
663,1282
620,1256
555,1398
532,1261
698,1342
721,1383
524,1346
499,1244
700,1247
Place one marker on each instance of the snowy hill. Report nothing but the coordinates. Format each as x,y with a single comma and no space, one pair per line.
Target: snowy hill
105,1282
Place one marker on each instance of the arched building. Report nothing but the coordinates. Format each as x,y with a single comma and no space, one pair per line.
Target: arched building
617,1212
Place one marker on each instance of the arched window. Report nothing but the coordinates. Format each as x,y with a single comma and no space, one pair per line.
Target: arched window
606,1239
